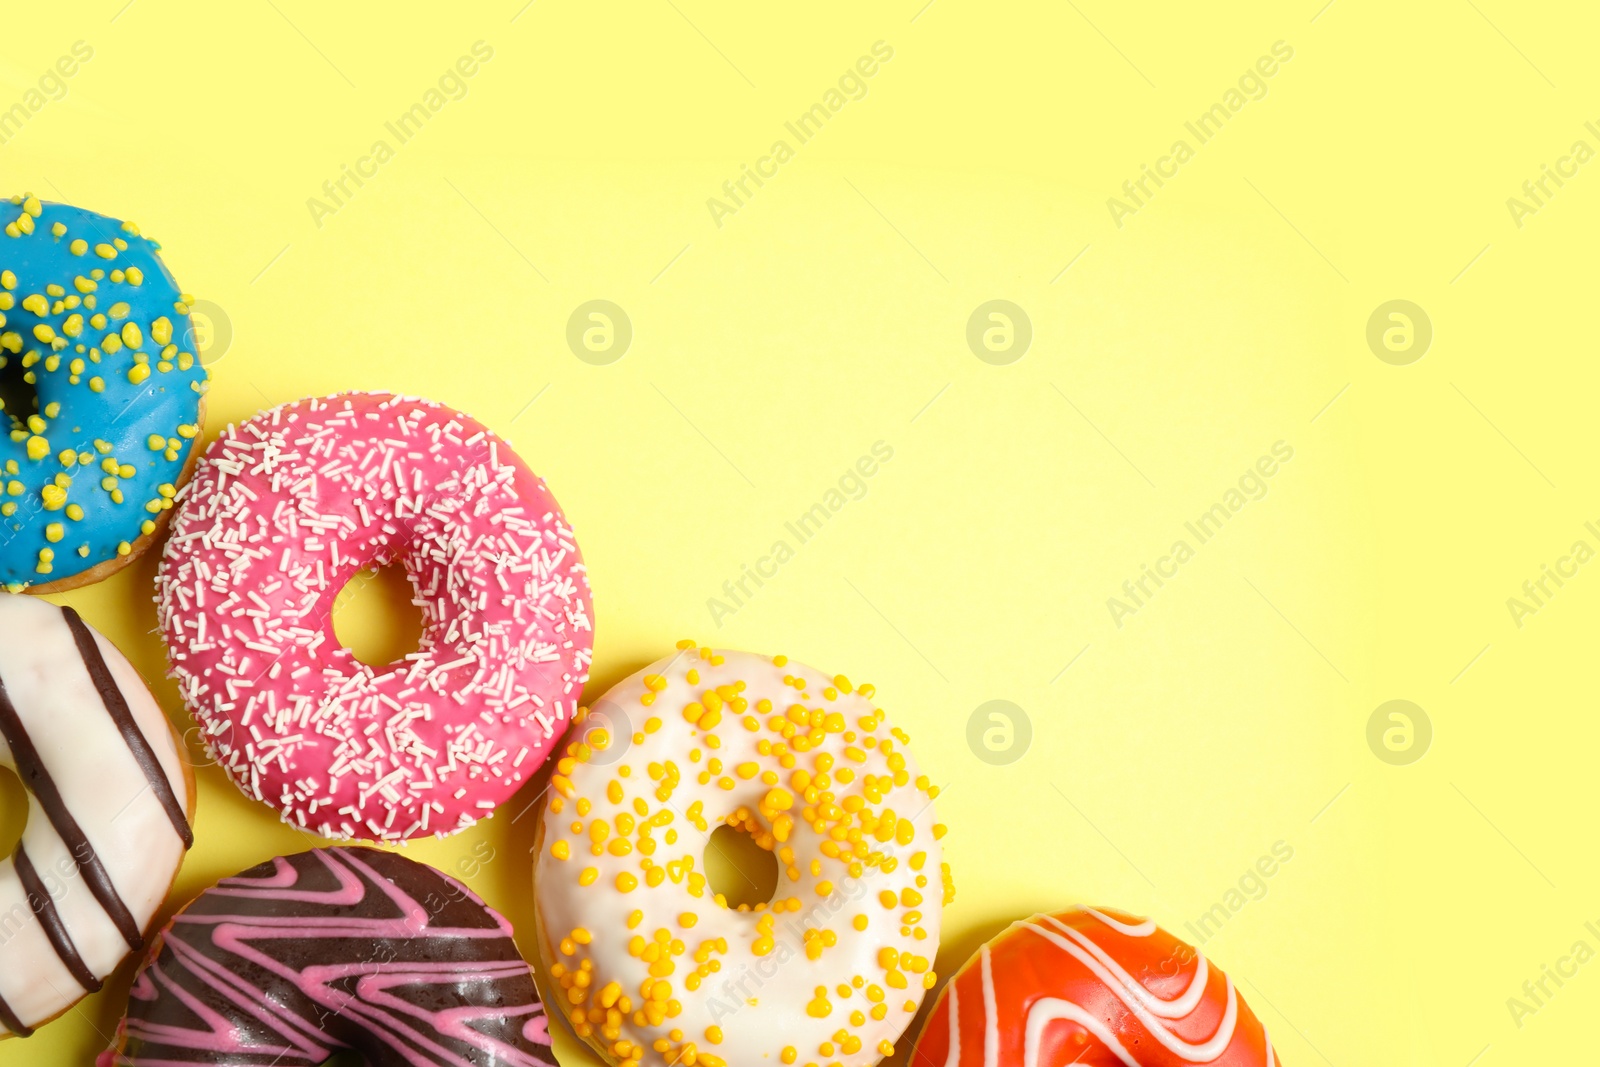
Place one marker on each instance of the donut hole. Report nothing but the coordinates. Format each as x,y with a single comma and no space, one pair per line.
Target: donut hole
13,810
21,398
738,869
375,618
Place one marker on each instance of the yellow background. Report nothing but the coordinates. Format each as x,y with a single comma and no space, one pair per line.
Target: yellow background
830,312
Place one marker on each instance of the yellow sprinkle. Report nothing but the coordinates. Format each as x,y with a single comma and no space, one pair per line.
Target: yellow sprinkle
7,280
135,276
138,372
105,251
59,229
123,548
54,532
78,247
38,447
75,513
54,497
131,335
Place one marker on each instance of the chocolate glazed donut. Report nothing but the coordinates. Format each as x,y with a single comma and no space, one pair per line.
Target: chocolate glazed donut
335,948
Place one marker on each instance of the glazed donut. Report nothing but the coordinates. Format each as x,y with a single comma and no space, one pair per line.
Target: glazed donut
337,948
653,966
92,324
110,796
282,511
1094,988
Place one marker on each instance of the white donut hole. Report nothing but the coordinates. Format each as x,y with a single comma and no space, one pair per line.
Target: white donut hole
13,810
744,873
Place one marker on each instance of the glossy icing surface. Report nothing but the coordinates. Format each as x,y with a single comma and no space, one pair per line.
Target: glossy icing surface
654,967
92,323
1093,987
282,511
331,949
107,821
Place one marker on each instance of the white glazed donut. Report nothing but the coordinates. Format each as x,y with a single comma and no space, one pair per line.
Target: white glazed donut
656,969
110,796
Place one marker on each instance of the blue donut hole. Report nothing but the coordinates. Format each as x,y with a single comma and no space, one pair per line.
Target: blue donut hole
20,397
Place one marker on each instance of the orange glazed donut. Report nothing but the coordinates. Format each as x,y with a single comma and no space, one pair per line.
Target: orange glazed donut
1093,988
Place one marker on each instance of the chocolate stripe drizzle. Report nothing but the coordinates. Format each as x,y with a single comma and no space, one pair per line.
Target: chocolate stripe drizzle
9,1019
34,775
117,708
45,909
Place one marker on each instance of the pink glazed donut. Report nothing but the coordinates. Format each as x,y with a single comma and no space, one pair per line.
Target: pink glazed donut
287,507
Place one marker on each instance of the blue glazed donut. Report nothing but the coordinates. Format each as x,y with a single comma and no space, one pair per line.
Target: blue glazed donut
103,394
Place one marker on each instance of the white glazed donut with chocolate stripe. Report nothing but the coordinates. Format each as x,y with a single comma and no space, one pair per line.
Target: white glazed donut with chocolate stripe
110,796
